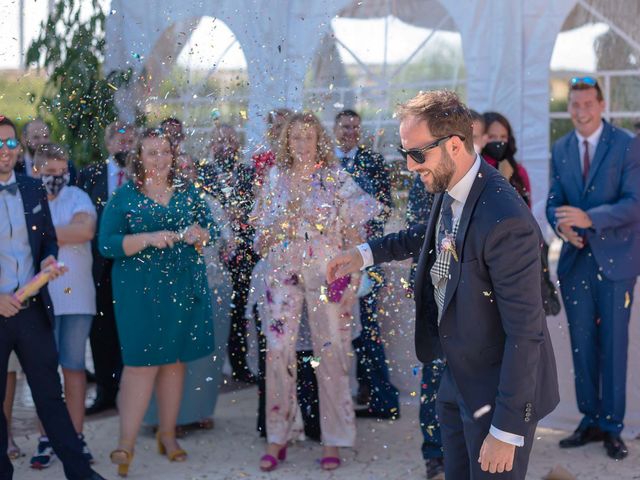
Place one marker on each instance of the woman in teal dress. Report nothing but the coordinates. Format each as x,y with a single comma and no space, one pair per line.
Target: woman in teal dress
204,376
154,230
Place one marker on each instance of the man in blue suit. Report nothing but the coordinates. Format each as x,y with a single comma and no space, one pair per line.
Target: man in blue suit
369,171
594,206
28,244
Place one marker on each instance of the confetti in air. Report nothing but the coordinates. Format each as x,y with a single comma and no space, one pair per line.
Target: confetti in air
481,412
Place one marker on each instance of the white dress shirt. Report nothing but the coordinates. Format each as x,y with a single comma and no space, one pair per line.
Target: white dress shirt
350,155
459,192
592,140
28,164
113,171
16,260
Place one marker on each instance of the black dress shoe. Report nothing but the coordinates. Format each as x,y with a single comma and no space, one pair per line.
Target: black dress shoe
101,404
435,468
95,476
616,448
367,413
244,376
91,377
581,437
363,397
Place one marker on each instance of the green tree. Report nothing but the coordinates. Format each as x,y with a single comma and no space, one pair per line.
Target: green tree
78,100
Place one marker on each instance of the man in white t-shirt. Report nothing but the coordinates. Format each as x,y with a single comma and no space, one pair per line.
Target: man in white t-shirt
74,295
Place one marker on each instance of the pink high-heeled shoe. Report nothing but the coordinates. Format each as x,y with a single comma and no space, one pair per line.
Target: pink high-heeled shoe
273,461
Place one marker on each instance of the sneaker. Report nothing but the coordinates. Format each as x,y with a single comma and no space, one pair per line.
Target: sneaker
85,449
44,456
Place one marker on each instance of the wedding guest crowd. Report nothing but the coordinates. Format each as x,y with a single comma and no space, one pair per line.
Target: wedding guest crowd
166,264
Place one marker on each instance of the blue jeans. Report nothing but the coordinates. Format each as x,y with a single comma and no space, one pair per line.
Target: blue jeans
432,442
71,333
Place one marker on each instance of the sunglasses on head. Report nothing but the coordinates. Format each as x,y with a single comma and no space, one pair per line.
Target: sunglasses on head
11,143
578,81
417,154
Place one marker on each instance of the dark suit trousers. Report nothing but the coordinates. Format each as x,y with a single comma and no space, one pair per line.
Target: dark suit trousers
462,437
29,333
105,344
241,268
598,314
372,368
432,440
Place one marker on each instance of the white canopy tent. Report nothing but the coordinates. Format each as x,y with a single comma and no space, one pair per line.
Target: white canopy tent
507,47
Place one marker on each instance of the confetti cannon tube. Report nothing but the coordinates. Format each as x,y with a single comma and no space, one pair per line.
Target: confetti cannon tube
34,285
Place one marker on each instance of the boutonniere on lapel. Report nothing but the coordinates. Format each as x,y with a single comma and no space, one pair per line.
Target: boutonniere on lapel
448,244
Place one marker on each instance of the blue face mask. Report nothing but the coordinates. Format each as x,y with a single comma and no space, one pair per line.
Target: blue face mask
53,184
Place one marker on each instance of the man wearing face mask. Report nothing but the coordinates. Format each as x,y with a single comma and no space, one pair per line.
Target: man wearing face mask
100,181
73,296
230,181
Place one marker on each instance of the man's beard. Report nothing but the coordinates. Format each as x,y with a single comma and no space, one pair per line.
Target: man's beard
441,176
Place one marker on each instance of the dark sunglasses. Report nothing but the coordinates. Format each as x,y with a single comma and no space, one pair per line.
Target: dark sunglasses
589,81
11,143
417,154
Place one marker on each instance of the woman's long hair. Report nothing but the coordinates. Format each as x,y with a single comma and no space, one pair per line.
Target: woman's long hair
515,180
324,147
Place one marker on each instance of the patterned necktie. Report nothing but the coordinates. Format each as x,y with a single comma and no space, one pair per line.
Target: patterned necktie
12,188
446,218
586,161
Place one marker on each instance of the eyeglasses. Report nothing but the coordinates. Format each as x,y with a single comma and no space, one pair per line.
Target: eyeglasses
11,143
417,154
578,81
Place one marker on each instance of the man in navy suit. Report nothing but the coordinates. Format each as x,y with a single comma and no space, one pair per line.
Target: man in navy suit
594,206
28,244
369,171
477,293
99,181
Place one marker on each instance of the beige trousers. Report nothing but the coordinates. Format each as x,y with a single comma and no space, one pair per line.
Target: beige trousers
331,329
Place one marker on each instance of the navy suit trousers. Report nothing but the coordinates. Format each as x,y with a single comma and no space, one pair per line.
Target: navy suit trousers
372,369
598,312
462,437
29,333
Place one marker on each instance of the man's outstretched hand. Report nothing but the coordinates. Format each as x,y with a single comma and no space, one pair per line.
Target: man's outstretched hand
344,264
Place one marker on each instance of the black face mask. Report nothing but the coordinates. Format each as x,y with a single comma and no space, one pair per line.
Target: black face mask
121,158
54,183
496,150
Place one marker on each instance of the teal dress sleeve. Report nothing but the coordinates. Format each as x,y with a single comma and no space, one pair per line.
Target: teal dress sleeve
113,225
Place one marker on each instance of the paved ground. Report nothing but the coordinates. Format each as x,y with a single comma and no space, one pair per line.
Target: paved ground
386,450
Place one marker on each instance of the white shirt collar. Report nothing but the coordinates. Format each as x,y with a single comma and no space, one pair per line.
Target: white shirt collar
12,179
340,154
112,166
460,191
594,138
